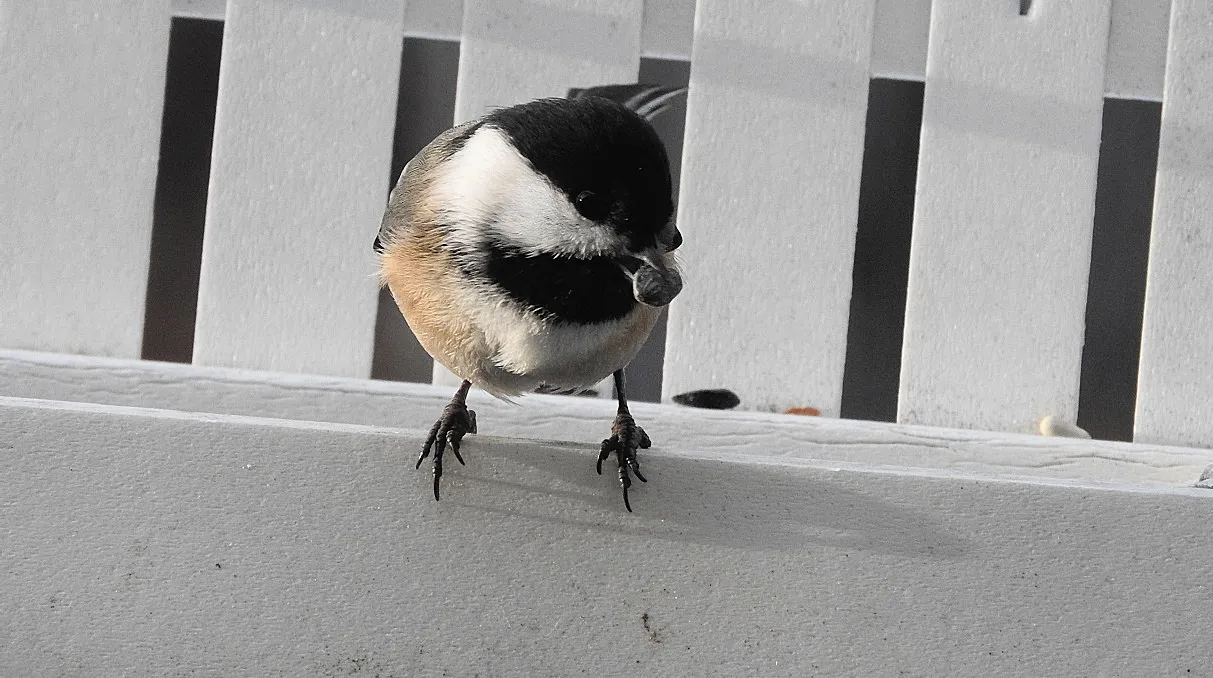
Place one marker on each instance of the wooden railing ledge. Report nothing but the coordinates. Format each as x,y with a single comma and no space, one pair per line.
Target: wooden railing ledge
156,542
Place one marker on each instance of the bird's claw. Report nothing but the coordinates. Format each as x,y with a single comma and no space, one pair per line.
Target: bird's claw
456,421
626,438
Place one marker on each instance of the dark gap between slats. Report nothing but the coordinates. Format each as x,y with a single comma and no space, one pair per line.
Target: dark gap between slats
647,369
882,251
425,108
191,86
1124,201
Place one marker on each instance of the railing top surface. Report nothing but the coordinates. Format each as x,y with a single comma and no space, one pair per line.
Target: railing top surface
152,542
760,437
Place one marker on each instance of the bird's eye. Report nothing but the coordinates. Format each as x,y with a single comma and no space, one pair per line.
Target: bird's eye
592,206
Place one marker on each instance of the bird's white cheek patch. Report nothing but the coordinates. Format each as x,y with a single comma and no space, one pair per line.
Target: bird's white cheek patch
488,191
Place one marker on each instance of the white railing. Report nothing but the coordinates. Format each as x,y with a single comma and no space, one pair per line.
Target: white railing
924,548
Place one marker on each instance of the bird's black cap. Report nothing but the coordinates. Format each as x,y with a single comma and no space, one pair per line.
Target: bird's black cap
607,159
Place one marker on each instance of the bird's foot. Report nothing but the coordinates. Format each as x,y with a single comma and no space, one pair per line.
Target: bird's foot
456,421
626,438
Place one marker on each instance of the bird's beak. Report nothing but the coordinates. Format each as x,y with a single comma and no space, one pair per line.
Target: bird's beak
654,283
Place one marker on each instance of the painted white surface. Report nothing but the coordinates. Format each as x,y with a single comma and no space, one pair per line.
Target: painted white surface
999,259
213,10
586,420
769,199
144,542
82,88
899,42
438,19
1137,44
1136,51
433,19
669,29
517,50
299,177
1175,378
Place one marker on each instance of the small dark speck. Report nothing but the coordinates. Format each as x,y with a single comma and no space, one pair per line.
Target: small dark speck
709,399
653,634
218,566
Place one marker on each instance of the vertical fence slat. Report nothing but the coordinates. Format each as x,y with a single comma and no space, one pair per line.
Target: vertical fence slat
81,95
513,51
770,191
1137,49
1175,379
299,177
668,28
1003,214
517,50
437,19
900,34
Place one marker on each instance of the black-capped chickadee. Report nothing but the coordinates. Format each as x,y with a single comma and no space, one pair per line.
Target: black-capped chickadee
531,249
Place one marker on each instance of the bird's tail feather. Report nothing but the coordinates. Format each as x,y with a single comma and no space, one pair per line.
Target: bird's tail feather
648,101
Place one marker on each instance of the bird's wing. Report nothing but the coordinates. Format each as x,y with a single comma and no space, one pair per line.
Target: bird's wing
403,213
648,101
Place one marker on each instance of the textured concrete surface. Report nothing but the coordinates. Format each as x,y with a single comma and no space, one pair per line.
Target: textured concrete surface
145,542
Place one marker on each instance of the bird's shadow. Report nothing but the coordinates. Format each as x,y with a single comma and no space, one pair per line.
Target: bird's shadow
705,501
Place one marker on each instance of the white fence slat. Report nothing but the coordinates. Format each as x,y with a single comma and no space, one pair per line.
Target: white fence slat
299,177
517,50
1137,49
668,29
1003,216
769,199
81,95
436,19
1175,379
899,43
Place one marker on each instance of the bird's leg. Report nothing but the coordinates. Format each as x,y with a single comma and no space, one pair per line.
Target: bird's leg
456,421
626,438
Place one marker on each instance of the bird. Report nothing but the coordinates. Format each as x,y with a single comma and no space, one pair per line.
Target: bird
532,249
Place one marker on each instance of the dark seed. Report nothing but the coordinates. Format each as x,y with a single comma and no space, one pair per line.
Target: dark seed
709,399
656,288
